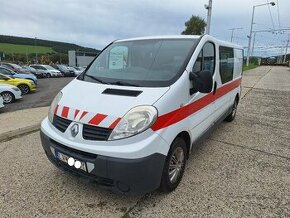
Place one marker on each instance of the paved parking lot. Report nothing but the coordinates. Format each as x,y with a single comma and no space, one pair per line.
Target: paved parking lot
241,170
46,90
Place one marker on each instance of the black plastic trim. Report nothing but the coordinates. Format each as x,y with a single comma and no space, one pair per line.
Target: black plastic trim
123,92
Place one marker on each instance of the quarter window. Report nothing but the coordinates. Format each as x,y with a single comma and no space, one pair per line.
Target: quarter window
226,64
206,59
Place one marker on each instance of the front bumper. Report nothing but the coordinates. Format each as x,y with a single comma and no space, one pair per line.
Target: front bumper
139,175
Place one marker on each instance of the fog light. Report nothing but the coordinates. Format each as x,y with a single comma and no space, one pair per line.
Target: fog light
78,164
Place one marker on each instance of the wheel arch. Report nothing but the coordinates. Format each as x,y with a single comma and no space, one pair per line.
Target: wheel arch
186,137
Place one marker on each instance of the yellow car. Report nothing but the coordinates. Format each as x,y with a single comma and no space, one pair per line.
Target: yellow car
24,85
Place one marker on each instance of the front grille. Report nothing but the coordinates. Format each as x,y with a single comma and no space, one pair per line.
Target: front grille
96,133
60,123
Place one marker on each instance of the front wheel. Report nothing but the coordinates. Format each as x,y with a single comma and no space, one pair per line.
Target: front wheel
174,166
233,113
48,75
8,97
24,89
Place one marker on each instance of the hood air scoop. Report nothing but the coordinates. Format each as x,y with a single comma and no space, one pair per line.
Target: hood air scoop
123,92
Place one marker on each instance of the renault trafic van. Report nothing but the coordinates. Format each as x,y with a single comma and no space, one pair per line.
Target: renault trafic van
130,120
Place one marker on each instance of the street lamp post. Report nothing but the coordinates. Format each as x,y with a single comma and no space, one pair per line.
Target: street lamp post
251,29
208,8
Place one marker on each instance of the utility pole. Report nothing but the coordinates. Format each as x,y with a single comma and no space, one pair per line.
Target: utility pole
233,29
36,61
251,29
286,50
208,8
253,46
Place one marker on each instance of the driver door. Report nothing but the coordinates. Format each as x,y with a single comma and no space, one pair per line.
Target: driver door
203,104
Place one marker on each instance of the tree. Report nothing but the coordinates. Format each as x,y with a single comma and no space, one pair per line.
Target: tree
194,26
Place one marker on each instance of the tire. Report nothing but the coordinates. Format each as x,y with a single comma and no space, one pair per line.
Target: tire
8,97
24,89
177,153
233,113
48,75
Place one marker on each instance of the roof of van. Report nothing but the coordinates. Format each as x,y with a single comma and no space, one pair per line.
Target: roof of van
162,37
225,43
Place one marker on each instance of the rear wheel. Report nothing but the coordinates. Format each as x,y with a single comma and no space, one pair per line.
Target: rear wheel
174,166
48,75
24,89
232,115
8,97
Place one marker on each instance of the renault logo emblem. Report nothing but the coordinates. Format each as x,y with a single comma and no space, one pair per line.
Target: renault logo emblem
74,130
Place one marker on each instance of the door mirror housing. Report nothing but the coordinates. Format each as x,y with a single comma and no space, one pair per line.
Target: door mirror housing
202,82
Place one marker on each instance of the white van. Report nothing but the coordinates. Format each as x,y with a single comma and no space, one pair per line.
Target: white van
130,120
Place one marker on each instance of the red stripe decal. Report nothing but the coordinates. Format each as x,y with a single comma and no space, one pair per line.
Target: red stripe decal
83,114
76,113
114,124
181,113
64,112
55,109
97,119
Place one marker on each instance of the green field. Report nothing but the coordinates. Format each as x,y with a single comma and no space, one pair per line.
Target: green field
23,49
251,66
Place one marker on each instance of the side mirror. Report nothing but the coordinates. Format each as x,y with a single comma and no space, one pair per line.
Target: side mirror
202,82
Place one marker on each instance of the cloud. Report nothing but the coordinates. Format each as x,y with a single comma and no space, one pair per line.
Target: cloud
95,23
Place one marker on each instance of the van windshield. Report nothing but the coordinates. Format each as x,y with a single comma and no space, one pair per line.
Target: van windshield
149,63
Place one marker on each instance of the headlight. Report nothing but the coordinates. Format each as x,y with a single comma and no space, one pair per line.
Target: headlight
53,105
137,120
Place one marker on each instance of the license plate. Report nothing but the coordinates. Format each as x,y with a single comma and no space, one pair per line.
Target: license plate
64,158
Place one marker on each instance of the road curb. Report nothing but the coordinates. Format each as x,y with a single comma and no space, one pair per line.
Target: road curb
19,132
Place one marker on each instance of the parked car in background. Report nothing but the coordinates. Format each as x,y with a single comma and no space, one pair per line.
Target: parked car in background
1,102
79,70
37,73
75,70
49,71
9,93
24,85
15,67
64,69
13,74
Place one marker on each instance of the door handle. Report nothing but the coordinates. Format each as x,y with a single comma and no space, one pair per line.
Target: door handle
214,88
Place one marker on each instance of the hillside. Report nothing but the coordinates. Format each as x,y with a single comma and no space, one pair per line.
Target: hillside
58,47
29,50
24,49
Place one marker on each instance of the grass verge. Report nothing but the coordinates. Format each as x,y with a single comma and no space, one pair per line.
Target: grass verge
251,66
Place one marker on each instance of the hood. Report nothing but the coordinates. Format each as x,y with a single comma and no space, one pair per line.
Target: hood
102,104
54,71
6,86
25,75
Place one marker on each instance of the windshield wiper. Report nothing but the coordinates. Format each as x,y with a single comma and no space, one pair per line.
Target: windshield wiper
121,83
96,79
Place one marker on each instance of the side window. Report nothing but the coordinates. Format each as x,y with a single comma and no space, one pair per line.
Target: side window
4,71
2,77
226,64
206,59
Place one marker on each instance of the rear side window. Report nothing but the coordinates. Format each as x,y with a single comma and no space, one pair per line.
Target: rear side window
226,64
4,71
206,59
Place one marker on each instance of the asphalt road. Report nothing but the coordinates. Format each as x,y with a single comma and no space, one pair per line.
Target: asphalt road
46,90
241,170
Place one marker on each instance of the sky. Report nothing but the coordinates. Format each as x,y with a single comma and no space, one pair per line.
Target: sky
95,23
